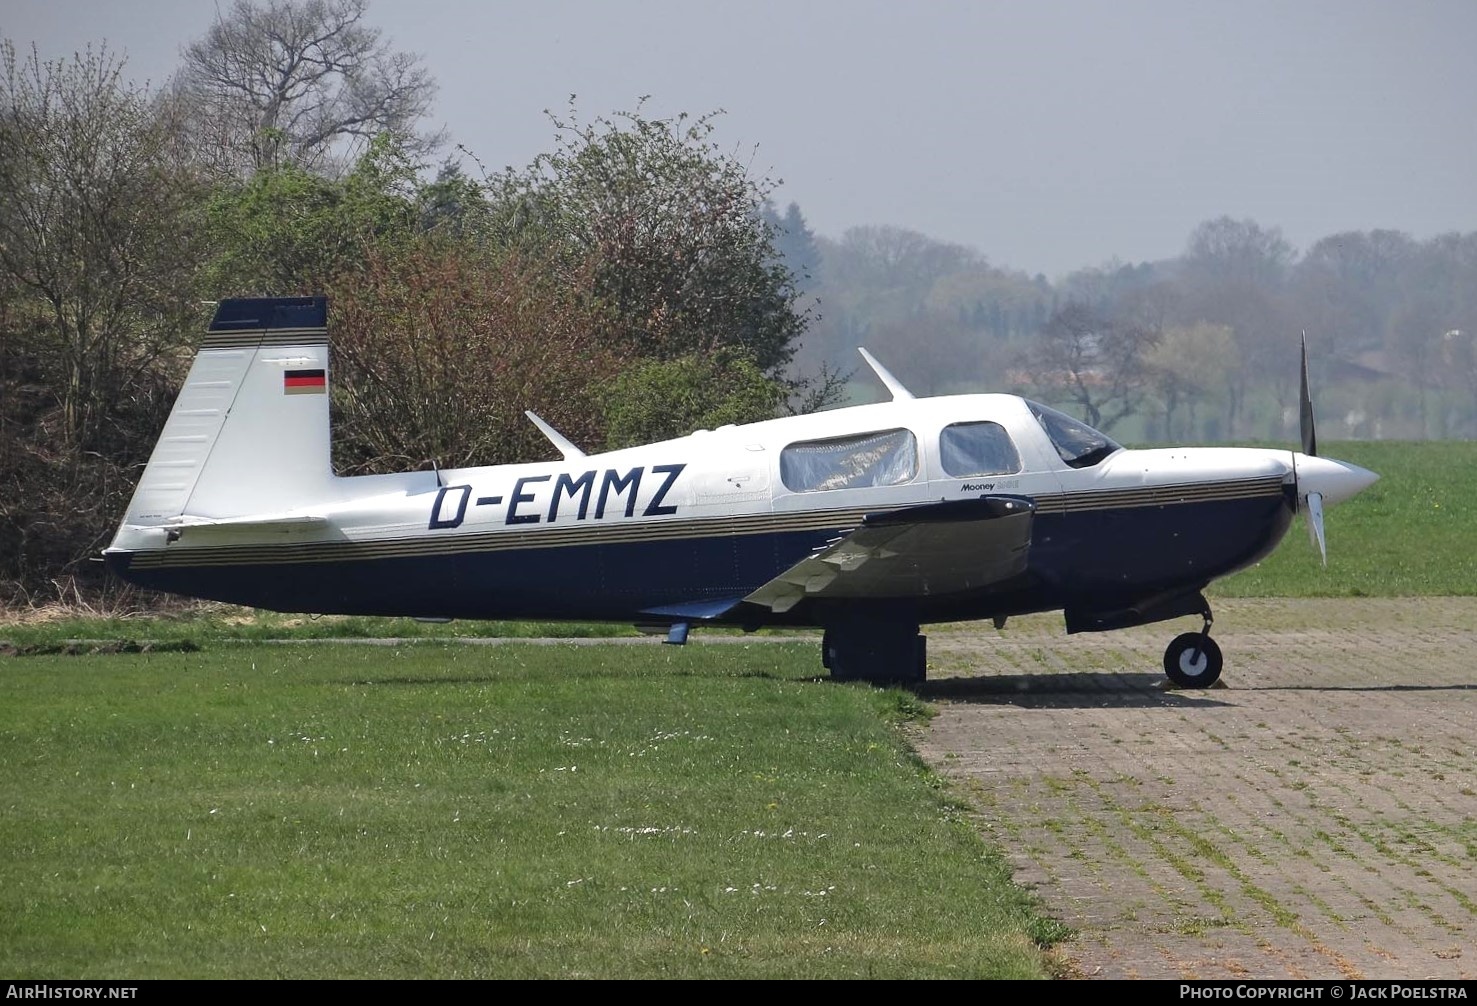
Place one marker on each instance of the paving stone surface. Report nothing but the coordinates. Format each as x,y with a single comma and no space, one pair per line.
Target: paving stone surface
1316,817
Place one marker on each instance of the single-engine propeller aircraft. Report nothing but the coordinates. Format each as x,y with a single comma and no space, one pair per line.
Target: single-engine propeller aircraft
867,522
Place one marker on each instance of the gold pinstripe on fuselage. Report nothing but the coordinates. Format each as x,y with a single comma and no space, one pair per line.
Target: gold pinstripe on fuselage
630,532
254,338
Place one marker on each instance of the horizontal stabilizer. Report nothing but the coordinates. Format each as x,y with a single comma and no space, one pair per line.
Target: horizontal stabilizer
250,522
696,609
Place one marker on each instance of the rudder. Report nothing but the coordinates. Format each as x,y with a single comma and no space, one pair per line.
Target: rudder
249,432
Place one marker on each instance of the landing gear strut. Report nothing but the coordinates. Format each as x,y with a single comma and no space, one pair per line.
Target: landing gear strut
1192,659
886,653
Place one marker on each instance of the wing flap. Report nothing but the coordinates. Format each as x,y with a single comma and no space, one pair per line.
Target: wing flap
930,550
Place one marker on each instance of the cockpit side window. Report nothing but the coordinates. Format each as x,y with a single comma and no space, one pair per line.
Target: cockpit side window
888,458
1078,444
967,449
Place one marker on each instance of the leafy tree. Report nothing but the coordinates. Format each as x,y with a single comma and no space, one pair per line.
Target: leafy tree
795,244
990,301
437,353
879,281
661,399
894,264
277,233
453,204
1192,366
288,231
665,228
293,83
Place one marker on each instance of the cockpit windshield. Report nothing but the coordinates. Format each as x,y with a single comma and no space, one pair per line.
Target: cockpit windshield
1079,445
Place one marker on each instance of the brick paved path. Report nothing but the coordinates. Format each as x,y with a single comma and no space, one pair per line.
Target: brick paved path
1315,818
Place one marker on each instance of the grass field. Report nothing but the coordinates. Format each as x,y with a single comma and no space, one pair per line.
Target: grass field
437,810
222,807
1413,533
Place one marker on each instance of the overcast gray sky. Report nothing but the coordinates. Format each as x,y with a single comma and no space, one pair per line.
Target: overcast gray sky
1048,135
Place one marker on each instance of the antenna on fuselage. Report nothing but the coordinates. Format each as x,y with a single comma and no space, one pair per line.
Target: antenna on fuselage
899,393
556,438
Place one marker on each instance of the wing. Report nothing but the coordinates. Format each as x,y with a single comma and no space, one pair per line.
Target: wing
929,550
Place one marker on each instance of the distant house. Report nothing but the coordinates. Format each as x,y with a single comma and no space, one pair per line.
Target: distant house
1368,367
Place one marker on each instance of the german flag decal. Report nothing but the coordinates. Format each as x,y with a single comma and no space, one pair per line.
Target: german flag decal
304,382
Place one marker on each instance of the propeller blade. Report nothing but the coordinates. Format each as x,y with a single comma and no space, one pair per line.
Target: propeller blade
1305,409
1314,509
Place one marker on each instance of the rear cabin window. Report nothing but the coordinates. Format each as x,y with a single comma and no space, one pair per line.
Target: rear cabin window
983,448
888,458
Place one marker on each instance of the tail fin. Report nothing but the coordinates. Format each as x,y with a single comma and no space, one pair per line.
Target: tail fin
249,433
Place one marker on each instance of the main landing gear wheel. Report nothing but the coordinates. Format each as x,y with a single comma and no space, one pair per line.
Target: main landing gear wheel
1193,660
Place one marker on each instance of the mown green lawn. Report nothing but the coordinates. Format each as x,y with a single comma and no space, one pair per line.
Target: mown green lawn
440,810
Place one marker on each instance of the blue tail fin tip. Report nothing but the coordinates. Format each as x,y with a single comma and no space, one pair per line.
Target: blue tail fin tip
269,313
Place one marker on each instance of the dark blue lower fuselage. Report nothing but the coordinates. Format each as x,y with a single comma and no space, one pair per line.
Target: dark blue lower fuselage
1098,560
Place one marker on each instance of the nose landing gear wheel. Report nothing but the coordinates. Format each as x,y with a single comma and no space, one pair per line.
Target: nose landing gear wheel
1193,660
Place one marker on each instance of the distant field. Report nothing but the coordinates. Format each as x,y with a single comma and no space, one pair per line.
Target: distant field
1413,533
436,810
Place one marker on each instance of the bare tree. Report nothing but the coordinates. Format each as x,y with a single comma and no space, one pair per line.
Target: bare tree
1087,359
96,264
1235,273
91,230
1347,283
1240,252
296,82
